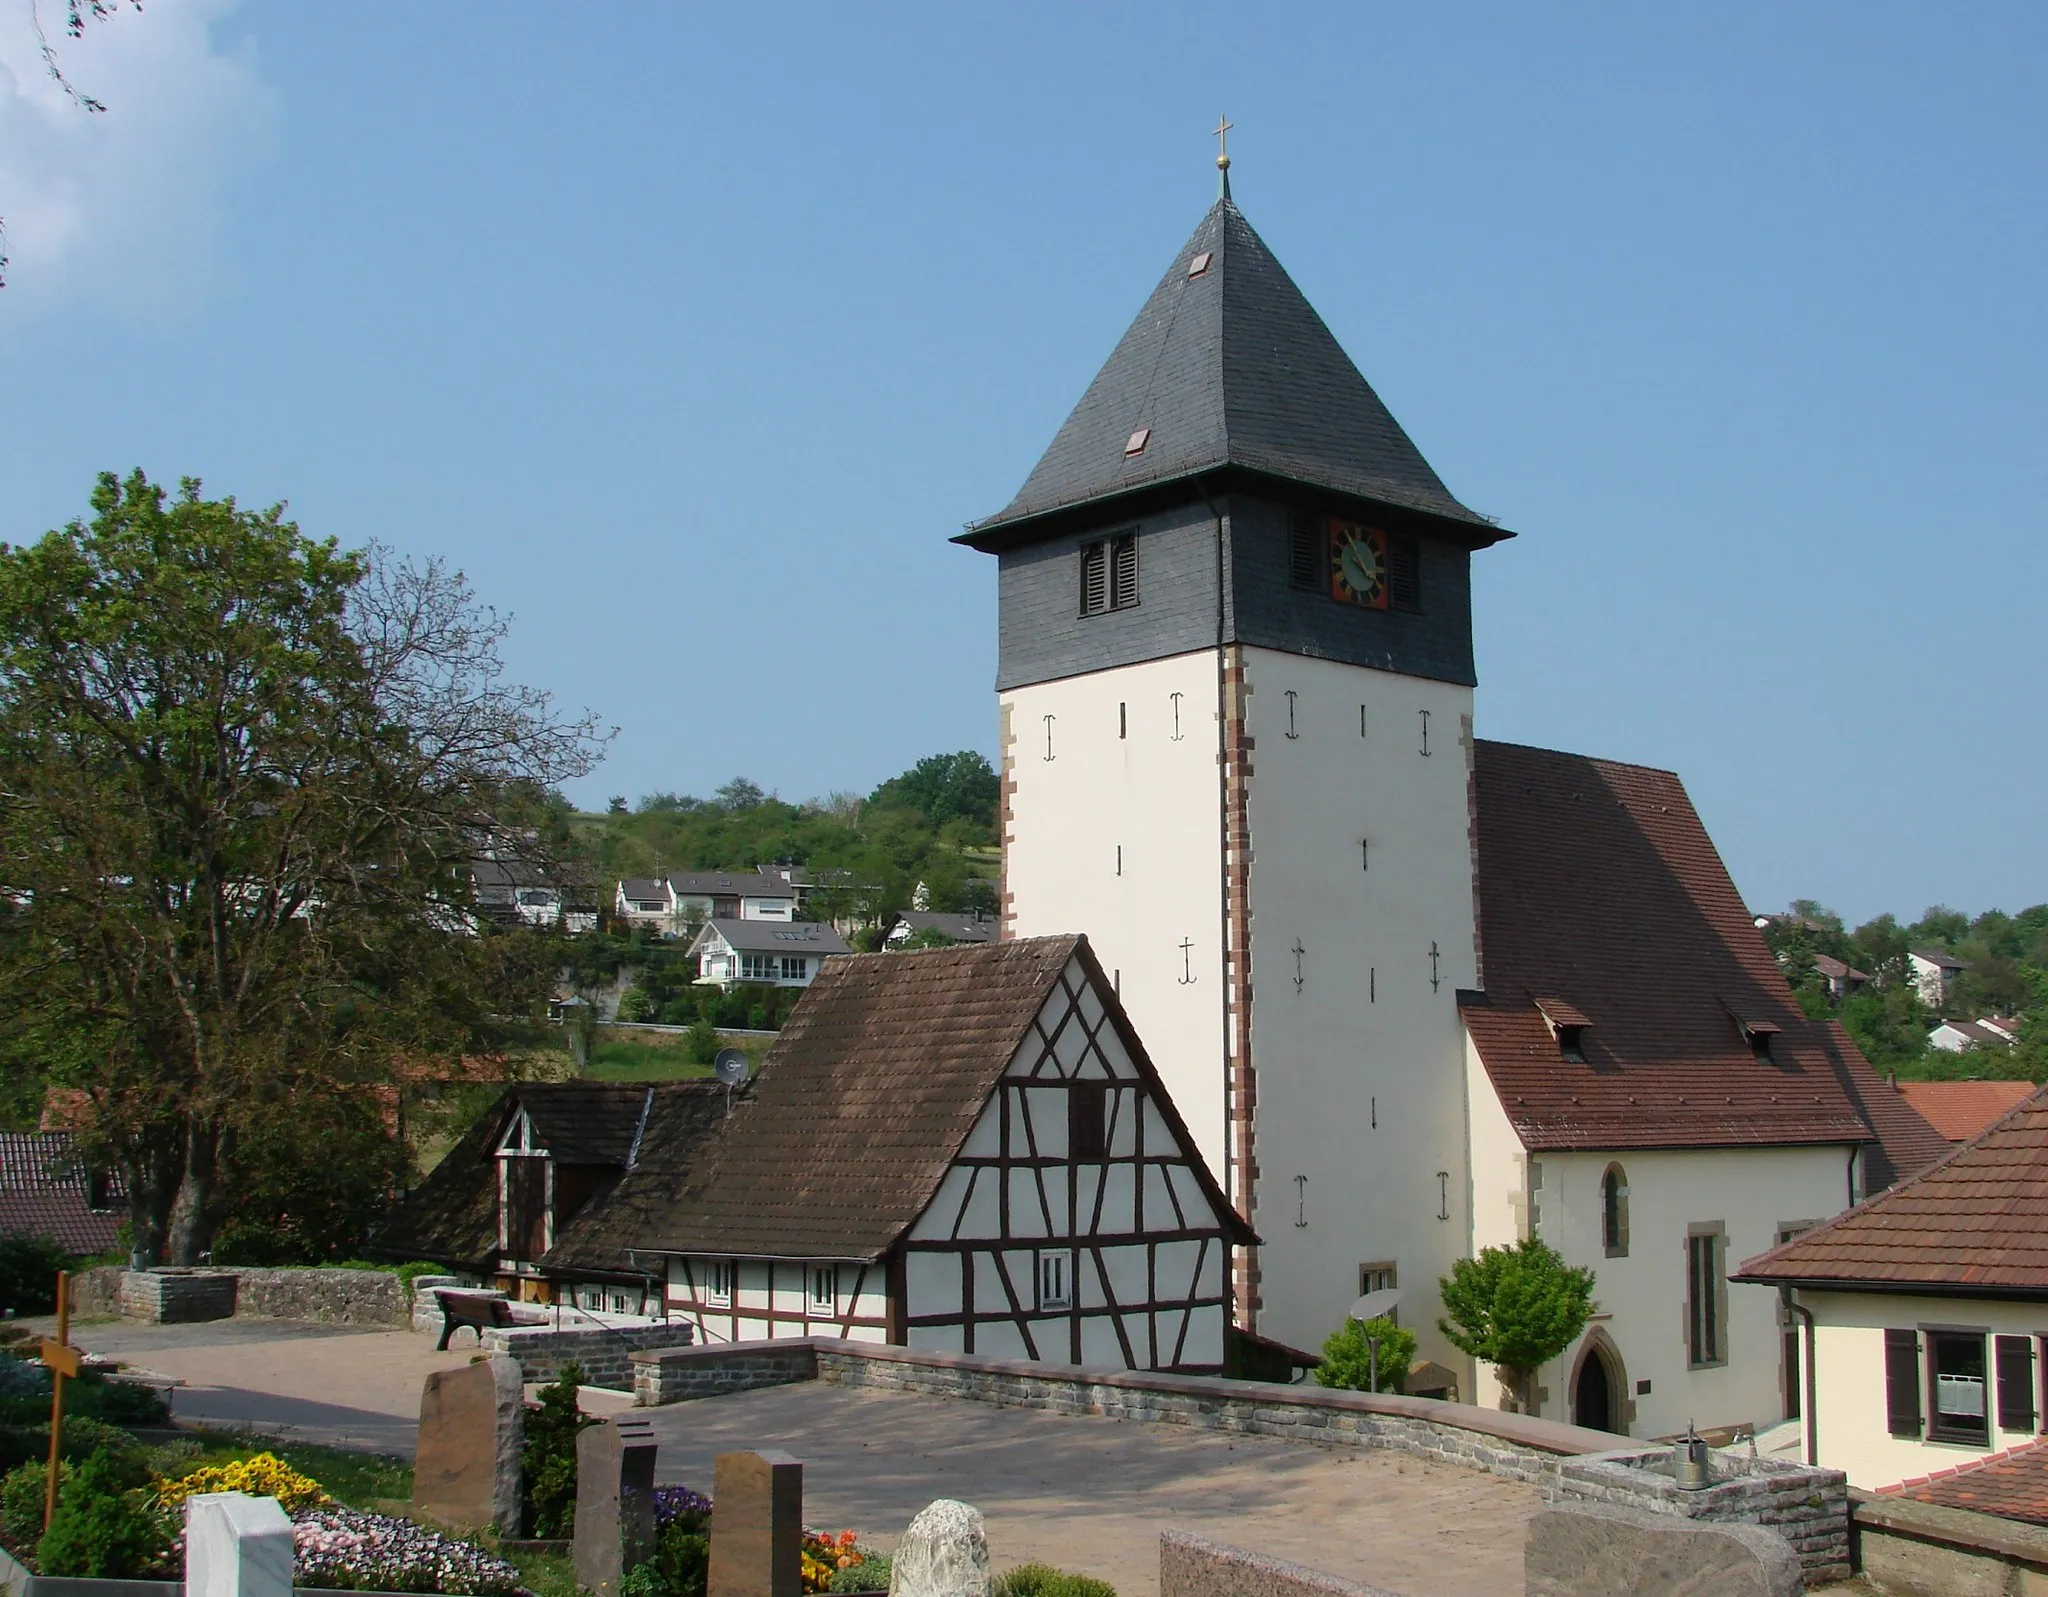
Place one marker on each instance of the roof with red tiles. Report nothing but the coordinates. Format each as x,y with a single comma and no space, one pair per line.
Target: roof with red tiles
1601,894
2012,1485
48,1190
1974,1225
1959,1110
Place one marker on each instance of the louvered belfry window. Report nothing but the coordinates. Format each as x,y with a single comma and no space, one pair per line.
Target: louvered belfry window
1109,574
1404,572
1307,554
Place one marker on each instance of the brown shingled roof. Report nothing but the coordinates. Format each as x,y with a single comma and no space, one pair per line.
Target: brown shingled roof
1974,1225
1601,892
46,1190
1959,1110
2012,1485
859,1109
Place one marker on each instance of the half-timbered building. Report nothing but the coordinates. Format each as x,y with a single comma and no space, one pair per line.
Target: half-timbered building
964,1149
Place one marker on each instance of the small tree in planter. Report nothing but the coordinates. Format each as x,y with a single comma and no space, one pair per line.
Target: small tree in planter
1349,1357
1517,1308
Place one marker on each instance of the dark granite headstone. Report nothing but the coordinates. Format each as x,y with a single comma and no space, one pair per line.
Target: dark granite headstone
466,1467
614,1502
757,1526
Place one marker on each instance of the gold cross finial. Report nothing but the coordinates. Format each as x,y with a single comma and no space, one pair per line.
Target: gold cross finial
1222,132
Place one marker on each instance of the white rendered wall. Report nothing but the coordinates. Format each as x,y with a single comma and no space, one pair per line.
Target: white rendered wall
1360,1072
1158,799
1752,1192
1849,1374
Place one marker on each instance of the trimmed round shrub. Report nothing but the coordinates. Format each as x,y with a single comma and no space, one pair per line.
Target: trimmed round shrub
102,1530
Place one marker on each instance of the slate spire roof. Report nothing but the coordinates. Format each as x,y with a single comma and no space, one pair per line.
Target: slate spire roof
1228,367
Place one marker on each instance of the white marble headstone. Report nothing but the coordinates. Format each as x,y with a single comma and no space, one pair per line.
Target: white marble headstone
237,1546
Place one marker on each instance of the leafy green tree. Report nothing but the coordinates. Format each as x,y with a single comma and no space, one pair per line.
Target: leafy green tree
548,1456
941,787
1348,1356
700,1043
242,775
927,937
1940,925
1517,1308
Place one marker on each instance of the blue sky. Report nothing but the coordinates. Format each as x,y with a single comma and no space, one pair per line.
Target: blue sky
691,334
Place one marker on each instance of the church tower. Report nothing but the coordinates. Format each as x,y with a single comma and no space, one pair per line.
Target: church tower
1236,705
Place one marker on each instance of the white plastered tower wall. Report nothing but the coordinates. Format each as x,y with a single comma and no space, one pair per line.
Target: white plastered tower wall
1360,853
1358,803
1131,768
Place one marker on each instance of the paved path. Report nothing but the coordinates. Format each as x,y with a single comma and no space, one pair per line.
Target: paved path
1092,1494
336,1384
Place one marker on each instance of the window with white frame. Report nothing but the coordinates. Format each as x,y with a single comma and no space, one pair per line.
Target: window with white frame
1056,1280
794,967
718,1283
758,967
824,1293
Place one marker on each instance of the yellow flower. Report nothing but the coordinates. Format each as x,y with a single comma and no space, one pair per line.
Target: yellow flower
264,1475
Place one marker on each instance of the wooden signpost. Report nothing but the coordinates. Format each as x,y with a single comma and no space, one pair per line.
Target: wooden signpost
64,1363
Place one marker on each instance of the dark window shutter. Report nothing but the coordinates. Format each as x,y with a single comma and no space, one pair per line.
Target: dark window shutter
1124,577
1094,579
1404,572
2016,1383
1304,558
1902,1382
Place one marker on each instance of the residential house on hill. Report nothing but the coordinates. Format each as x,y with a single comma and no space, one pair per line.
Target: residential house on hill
964,1149
1961,1110
684,900
1996,1031
48,1189
958,928
1645,1093
1934,972
517,891
779,953
1923,1310
1840,978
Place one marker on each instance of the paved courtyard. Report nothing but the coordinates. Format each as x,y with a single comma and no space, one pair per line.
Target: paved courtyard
1085,1493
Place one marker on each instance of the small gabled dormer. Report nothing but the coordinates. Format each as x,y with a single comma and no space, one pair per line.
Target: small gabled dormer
1760,1035
1568,1026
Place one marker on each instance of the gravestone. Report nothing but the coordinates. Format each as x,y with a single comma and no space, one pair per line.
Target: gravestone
757,1526
466,1467
944,1553
1600,1550
614,1502
237,1546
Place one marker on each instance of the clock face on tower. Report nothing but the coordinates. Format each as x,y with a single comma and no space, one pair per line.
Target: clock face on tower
1358,565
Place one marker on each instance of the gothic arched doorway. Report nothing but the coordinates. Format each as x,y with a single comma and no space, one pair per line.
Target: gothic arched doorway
1593,1400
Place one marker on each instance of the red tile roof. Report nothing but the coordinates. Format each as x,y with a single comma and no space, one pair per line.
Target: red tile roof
1959,1110
2012,1485
45,1191
1976,1224
1600,890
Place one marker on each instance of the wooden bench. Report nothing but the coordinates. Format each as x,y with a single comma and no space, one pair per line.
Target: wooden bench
474,1310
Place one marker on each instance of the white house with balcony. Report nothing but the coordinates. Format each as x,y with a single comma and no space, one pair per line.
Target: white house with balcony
775,953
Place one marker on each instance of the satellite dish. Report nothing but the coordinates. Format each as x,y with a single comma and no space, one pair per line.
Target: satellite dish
1376,1305
731,1066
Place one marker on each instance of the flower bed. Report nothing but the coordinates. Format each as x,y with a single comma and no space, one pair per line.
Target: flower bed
346,1549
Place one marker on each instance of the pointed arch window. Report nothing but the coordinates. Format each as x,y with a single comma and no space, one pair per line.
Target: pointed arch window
1614,1211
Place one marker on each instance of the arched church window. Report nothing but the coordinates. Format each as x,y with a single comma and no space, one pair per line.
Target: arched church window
1614,1212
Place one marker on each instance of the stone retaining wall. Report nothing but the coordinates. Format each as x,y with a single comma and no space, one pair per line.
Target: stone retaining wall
606,1353
96,1293
177,1297
324,1296
1808,1507
715,1368
1192,1567
1913,1549
1512,1445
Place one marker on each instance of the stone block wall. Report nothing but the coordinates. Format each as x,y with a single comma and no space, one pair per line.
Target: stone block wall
715,1368
1192,1567
96,1293
1911,1549
1808,1507
329,1297
177,1297
604,1352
